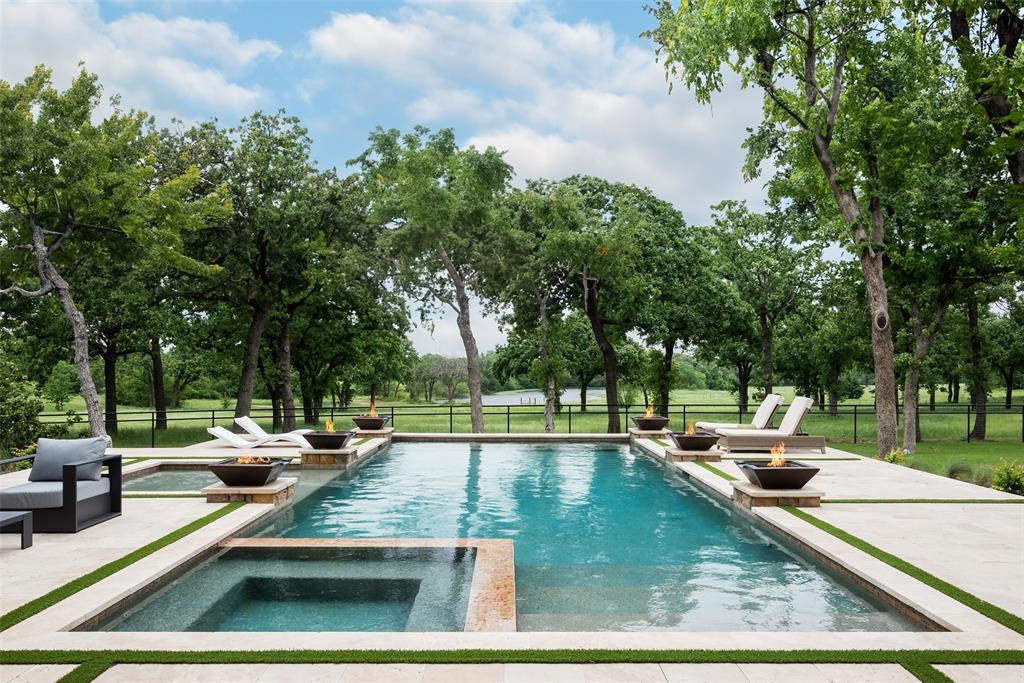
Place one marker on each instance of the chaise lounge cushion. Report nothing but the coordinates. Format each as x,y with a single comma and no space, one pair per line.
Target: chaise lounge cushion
48,494
53,454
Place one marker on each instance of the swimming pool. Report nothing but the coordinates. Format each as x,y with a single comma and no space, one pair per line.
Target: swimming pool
605,539
171,480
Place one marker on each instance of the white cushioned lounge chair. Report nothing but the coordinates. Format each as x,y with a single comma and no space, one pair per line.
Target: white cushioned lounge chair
252,427
762,418
239,441
764,439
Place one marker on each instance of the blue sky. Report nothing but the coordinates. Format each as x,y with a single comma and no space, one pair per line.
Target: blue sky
562,87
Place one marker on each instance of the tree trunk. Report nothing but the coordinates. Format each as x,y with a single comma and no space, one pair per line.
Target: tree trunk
476,403
979,383
767,368
275,408
584,386
258,322
931,397
668,348
110,386
1009,388
833,402
882,353
955,393
923,338
159,395
610,361
307,409
545,361
284,369
743,372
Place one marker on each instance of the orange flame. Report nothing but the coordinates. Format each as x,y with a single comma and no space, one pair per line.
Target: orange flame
329,426
778,452
690,431
248,459
373,410
649,412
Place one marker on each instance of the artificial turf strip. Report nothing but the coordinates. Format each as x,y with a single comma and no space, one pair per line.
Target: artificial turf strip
50,599
661,443
715,470
361,441
917,662
1002,501
157,494
993,612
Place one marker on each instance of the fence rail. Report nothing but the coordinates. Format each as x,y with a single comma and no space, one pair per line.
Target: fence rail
846,423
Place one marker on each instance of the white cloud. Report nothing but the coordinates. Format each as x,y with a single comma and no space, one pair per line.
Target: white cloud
560,97
167,67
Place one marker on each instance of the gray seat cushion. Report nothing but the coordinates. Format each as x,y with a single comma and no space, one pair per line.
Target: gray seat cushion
47,494
53,454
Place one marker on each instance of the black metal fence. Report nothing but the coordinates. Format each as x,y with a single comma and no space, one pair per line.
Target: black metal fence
846,423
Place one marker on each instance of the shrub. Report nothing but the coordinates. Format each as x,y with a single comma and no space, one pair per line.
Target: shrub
961,471
895,456
1009,477
983,477
62,384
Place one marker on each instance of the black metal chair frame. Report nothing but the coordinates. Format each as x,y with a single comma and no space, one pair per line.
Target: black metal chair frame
74,515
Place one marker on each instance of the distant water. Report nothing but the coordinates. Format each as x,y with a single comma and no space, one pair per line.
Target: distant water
534,397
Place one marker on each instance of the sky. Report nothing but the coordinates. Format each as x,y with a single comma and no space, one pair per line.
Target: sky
560,87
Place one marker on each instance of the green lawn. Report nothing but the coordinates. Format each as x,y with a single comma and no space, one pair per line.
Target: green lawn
937,457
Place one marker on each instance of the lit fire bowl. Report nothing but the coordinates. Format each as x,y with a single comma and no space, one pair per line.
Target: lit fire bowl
650,424
698,441
234,473
369,423
792,475
328,441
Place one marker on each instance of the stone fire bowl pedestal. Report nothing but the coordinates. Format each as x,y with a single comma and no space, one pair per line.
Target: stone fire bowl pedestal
276,492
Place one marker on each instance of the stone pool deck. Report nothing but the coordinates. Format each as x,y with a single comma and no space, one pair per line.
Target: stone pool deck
977,546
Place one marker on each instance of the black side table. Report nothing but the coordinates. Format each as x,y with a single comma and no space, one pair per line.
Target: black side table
21,519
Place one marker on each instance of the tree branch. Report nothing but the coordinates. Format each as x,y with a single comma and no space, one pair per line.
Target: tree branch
32,294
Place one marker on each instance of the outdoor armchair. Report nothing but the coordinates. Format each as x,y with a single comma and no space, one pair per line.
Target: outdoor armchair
762,418
67,491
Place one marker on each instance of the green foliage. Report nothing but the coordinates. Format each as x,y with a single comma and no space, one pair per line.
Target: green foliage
61,385
1009,476
20,406
896,456
961,471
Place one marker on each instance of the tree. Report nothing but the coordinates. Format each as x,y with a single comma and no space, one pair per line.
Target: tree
450,372
814,62
768,271
437,202
62,384
1006,345
67,183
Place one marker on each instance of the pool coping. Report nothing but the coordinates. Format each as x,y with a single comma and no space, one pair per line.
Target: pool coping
972,630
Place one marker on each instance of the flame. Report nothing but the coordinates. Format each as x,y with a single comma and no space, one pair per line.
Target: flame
329,426
778,452
690,431
649,412
248,459
373,410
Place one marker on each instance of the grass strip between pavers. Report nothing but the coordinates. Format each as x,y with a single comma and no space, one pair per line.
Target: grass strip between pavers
157,494
917,662
973,501
661,443
50,599
715,470
361,441
993,612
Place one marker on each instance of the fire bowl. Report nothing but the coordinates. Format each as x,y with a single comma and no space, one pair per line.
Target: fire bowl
650,424
371,423
792,475
233,473
328,441
698,441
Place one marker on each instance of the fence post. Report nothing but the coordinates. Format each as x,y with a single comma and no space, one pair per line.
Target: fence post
451,418
1022,421
684,419
213,417
392,417
968,423
332,411
508,419
570,417
152,429
855,423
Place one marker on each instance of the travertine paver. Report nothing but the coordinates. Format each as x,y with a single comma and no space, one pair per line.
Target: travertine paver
977,547
55,559
33,673
510,673
983,673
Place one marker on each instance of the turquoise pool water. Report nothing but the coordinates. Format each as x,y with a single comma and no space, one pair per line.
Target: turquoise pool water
604,539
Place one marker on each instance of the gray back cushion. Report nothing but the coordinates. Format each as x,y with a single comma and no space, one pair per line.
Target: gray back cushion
53,454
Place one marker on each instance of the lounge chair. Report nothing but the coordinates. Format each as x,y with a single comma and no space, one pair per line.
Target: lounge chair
250,426
762,418
66,489
764,439
239,441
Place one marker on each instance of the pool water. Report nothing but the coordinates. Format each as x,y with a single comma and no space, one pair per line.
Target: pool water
172,480
605,539
312,589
